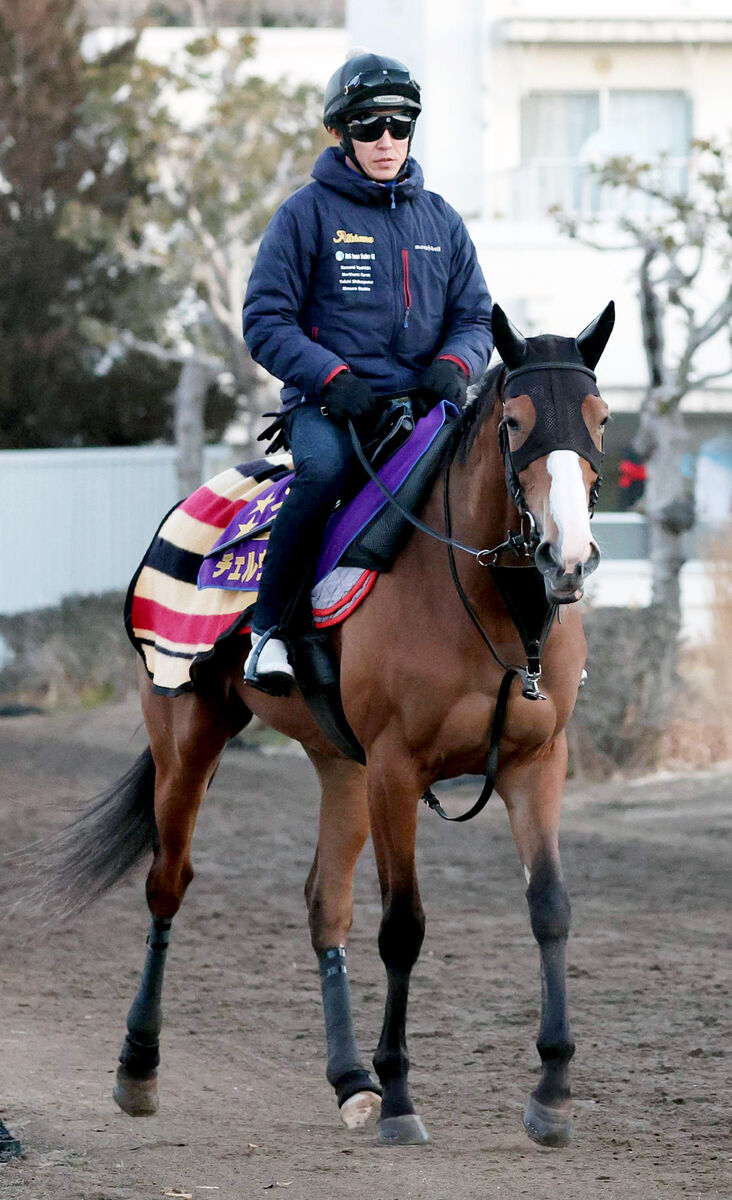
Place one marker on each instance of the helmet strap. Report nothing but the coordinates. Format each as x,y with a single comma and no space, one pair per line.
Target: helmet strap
350,152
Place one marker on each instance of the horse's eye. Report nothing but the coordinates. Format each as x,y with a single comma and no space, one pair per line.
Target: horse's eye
512,424
603,422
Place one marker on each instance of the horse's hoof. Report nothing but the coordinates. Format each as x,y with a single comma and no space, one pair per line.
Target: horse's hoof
358,1109
136,1097
547,1126
407,1130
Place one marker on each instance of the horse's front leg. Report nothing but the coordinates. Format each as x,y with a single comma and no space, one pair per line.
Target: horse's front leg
532,789
393,801
344,827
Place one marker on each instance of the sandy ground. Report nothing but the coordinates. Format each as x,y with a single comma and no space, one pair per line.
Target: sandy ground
245,1105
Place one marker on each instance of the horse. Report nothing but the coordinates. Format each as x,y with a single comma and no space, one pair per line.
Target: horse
526,452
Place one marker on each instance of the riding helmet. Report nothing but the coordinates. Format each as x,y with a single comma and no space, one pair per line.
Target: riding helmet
367,82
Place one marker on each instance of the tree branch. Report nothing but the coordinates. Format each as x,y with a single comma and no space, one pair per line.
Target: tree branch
171,356
703,380
651,319
717,319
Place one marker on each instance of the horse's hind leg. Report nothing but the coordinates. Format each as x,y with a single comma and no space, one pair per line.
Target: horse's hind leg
344,827
187,737
532,790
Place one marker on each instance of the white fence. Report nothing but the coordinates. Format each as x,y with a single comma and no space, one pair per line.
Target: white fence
79,521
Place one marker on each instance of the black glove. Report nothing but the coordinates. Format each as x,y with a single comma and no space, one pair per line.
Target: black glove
348,396
444,380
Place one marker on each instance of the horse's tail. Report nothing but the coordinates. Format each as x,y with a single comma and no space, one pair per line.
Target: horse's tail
105,840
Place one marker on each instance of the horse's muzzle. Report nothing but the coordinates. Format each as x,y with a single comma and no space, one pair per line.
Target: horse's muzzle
563,586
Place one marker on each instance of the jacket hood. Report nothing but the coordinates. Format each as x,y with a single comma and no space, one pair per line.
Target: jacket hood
332,170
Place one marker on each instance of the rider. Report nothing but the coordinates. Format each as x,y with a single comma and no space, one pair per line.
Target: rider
365,286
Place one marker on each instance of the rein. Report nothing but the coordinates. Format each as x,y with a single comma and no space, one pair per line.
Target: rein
530,675
524,545
517,542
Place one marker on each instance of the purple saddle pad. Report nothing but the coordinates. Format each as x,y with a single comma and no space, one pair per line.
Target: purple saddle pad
345,524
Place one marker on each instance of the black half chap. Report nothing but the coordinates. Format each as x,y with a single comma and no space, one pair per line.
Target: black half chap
345,1071
550,911
140,1053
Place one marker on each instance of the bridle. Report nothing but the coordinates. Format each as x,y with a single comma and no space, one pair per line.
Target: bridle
525,542
512,475
524,545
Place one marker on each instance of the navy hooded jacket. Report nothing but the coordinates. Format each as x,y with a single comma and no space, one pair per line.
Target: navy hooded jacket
382,278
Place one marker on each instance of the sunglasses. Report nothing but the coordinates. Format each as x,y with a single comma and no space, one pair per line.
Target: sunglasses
376,78
370,129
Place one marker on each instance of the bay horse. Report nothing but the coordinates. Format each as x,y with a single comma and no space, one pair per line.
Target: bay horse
526,450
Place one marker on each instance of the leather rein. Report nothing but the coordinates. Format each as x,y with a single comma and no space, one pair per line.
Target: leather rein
524,545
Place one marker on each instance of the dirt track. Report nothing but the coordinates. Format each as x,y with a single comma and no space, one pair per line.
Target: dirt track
245,1105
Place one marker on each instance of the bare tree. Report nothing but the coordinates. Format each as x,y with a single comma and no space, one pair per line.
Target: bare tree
228,147
683,240
681,233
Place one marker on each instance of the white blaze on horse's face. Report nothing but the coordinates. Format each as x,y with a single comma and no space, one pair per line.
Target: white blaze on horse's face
566,517
557,492
556,489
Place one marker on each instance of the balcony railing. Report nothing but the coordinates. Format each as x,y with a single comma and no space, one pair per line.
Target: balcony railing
530,191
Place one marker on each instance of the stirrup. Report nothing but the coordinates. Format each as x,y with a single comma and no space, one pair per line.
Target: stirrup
273,683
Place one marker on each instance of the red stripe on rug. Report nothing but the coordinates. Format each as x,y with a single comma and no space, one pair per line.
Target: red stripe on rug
206,506
181,628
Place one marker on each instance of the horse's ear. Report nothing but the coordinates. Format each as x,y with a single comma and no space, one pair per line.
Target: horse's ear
510,344
594,338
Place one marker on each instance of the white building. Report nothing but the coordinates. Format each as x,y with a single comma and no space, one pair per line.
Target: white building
521,98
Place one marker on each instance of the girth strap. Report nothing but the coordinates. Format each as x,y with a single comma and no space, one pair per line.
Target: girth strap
491,765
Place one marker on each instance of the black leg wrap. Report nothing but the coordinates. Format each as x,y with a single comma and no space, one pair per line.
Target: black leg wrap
9,1146
553,1087
355,1081
140,1055
345,1071
549,907
139,1059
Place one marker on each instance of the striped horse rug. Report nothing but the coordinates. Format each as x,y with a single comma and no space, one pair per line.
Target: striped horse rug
196,587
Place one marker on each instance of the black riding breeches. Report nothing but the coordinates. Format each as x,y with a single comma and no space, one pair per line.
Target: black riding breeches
324,459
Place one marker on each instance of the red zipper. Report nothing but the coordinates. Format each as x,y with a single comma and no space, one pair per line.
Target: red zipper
407,293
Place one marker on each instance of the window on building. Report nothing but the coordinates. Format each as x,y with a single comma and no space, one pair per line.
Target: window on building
565,134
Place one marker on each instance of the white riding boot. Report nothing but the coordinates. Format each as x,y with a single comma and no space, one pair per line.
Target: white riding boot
268,668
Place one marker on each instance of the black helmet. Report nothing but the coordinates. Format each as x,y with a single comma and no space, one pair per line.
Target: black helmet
369,81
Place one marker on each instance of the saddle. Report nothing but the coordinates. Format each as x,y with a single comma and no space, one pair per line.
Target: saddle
362,530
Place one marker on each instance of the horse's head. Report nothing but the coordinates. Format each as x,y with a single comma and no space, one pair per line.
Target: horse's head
552,425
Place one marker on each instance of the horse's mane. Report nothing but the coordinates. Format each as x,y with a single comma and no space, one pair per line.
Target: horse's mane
475,412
